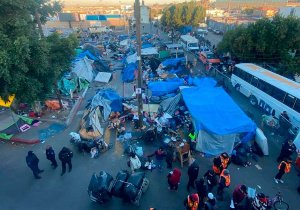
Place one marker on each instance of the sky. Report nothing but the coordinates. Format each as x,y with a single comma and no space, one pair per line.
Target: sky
111,2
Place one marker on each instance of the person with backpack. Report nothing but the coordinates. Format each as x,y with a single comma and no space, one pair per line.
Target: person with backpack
65,156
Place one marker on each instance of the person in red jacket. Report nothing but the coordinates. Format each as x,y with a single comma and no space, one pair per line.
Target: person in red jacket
238,195
284,167
174,179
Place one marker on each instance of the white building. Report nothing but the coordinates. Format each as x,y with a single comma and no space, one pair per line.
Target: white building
145,13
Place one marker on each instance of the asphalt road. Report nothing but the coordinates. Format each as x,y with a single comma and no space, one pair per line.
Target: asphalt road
20,191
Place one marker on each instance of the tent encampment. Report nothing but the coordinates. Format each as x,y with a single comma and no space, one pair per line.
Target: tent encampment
218,120
83,68
160,88
128,72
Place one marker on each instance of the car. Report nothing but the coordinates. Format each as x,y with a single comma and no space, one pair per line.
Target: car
216,31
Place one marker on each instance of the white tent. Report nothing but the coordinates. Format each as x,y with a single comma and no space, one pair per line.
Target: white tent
83,69
103,77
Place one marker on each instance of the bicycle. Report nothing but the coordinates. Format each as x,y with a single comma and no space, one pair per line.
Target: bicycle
278,203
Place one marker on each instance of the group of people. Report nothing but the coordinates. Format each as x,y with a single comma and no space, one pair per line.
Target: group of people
65,156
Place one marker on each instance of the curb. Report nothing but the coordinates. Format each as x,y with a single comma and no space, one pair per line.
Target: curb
75,108
23,141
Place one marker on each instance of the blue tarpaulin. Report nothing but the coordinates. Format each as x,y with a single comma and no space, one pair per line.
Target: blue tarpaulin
161,88
147,45
214,111
172,62
217,118
88,54
113,97
203,82
128,72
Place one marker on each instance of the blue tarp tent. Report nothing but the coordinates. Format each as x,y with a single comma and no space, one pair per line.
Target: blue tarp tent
161,88
88,54
172,62
147,45
203,82
128,72
217,118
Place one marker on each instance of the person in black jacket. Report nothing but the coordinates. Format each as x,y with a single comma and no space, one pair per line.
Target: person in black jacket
201,190
211,179
287,149
65,156
50,155
33,163
193,171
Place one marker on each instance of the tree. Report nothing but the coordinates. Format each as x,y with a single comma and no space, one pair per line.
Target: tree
275,41
29,65
179,15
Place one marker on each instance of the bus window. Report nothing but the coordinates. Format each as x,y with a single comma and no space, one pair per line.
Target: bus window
254,81
289,100
247,77
297,105
278,94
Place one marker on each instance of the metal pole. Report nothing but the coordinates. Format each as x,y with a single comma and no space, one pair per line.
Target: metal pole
139,59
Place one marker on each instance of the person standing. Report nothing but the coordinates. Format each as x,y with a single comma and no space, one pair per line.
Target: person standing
224,181
159,156
284,167
210,203
221,162
170,157
65,156
174,179
287,149
193,171
33,163
192,202
201,190
238,195
134,162
50,155
211,179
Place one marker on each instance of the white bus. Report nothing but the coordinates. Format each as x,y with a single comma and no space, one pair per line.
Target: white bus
189,43
271,92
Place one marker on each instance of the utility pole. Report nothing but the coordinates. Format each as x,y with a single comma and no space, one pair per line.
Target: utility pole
139,59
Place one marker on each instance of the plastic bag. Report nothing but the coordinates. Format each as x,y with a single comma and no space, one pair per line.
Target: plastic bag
139,151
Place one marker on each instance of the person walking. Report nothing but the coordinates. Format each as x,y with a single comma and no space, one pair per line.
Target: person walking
210,203
50,155
211,180
191,202
65,156
159,156
174,179
287,149
238,195
224,181
284,167
193,171
201,190
33,163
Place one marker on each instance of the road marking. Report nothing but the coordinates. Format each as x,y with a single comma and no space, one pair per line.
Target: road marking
258,167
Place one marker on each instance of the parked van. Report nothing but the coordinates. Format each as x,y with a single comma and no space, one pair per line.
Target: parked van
209,58
175,50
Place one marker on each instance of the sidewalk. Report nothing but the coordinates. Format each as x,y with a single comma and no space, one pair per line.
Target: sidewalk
49,125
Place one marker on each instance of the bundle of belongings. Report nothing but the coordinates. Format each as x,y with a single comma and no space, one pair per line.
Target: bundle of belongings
99,187
127,186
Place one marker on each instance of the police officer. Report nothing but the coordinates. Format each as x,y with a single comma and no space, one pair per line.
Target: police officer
50,155
287,149
33,163
65,156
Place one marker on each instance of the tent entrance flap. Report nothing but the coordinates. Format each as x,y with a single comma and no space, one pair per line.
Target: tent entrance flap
214,144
